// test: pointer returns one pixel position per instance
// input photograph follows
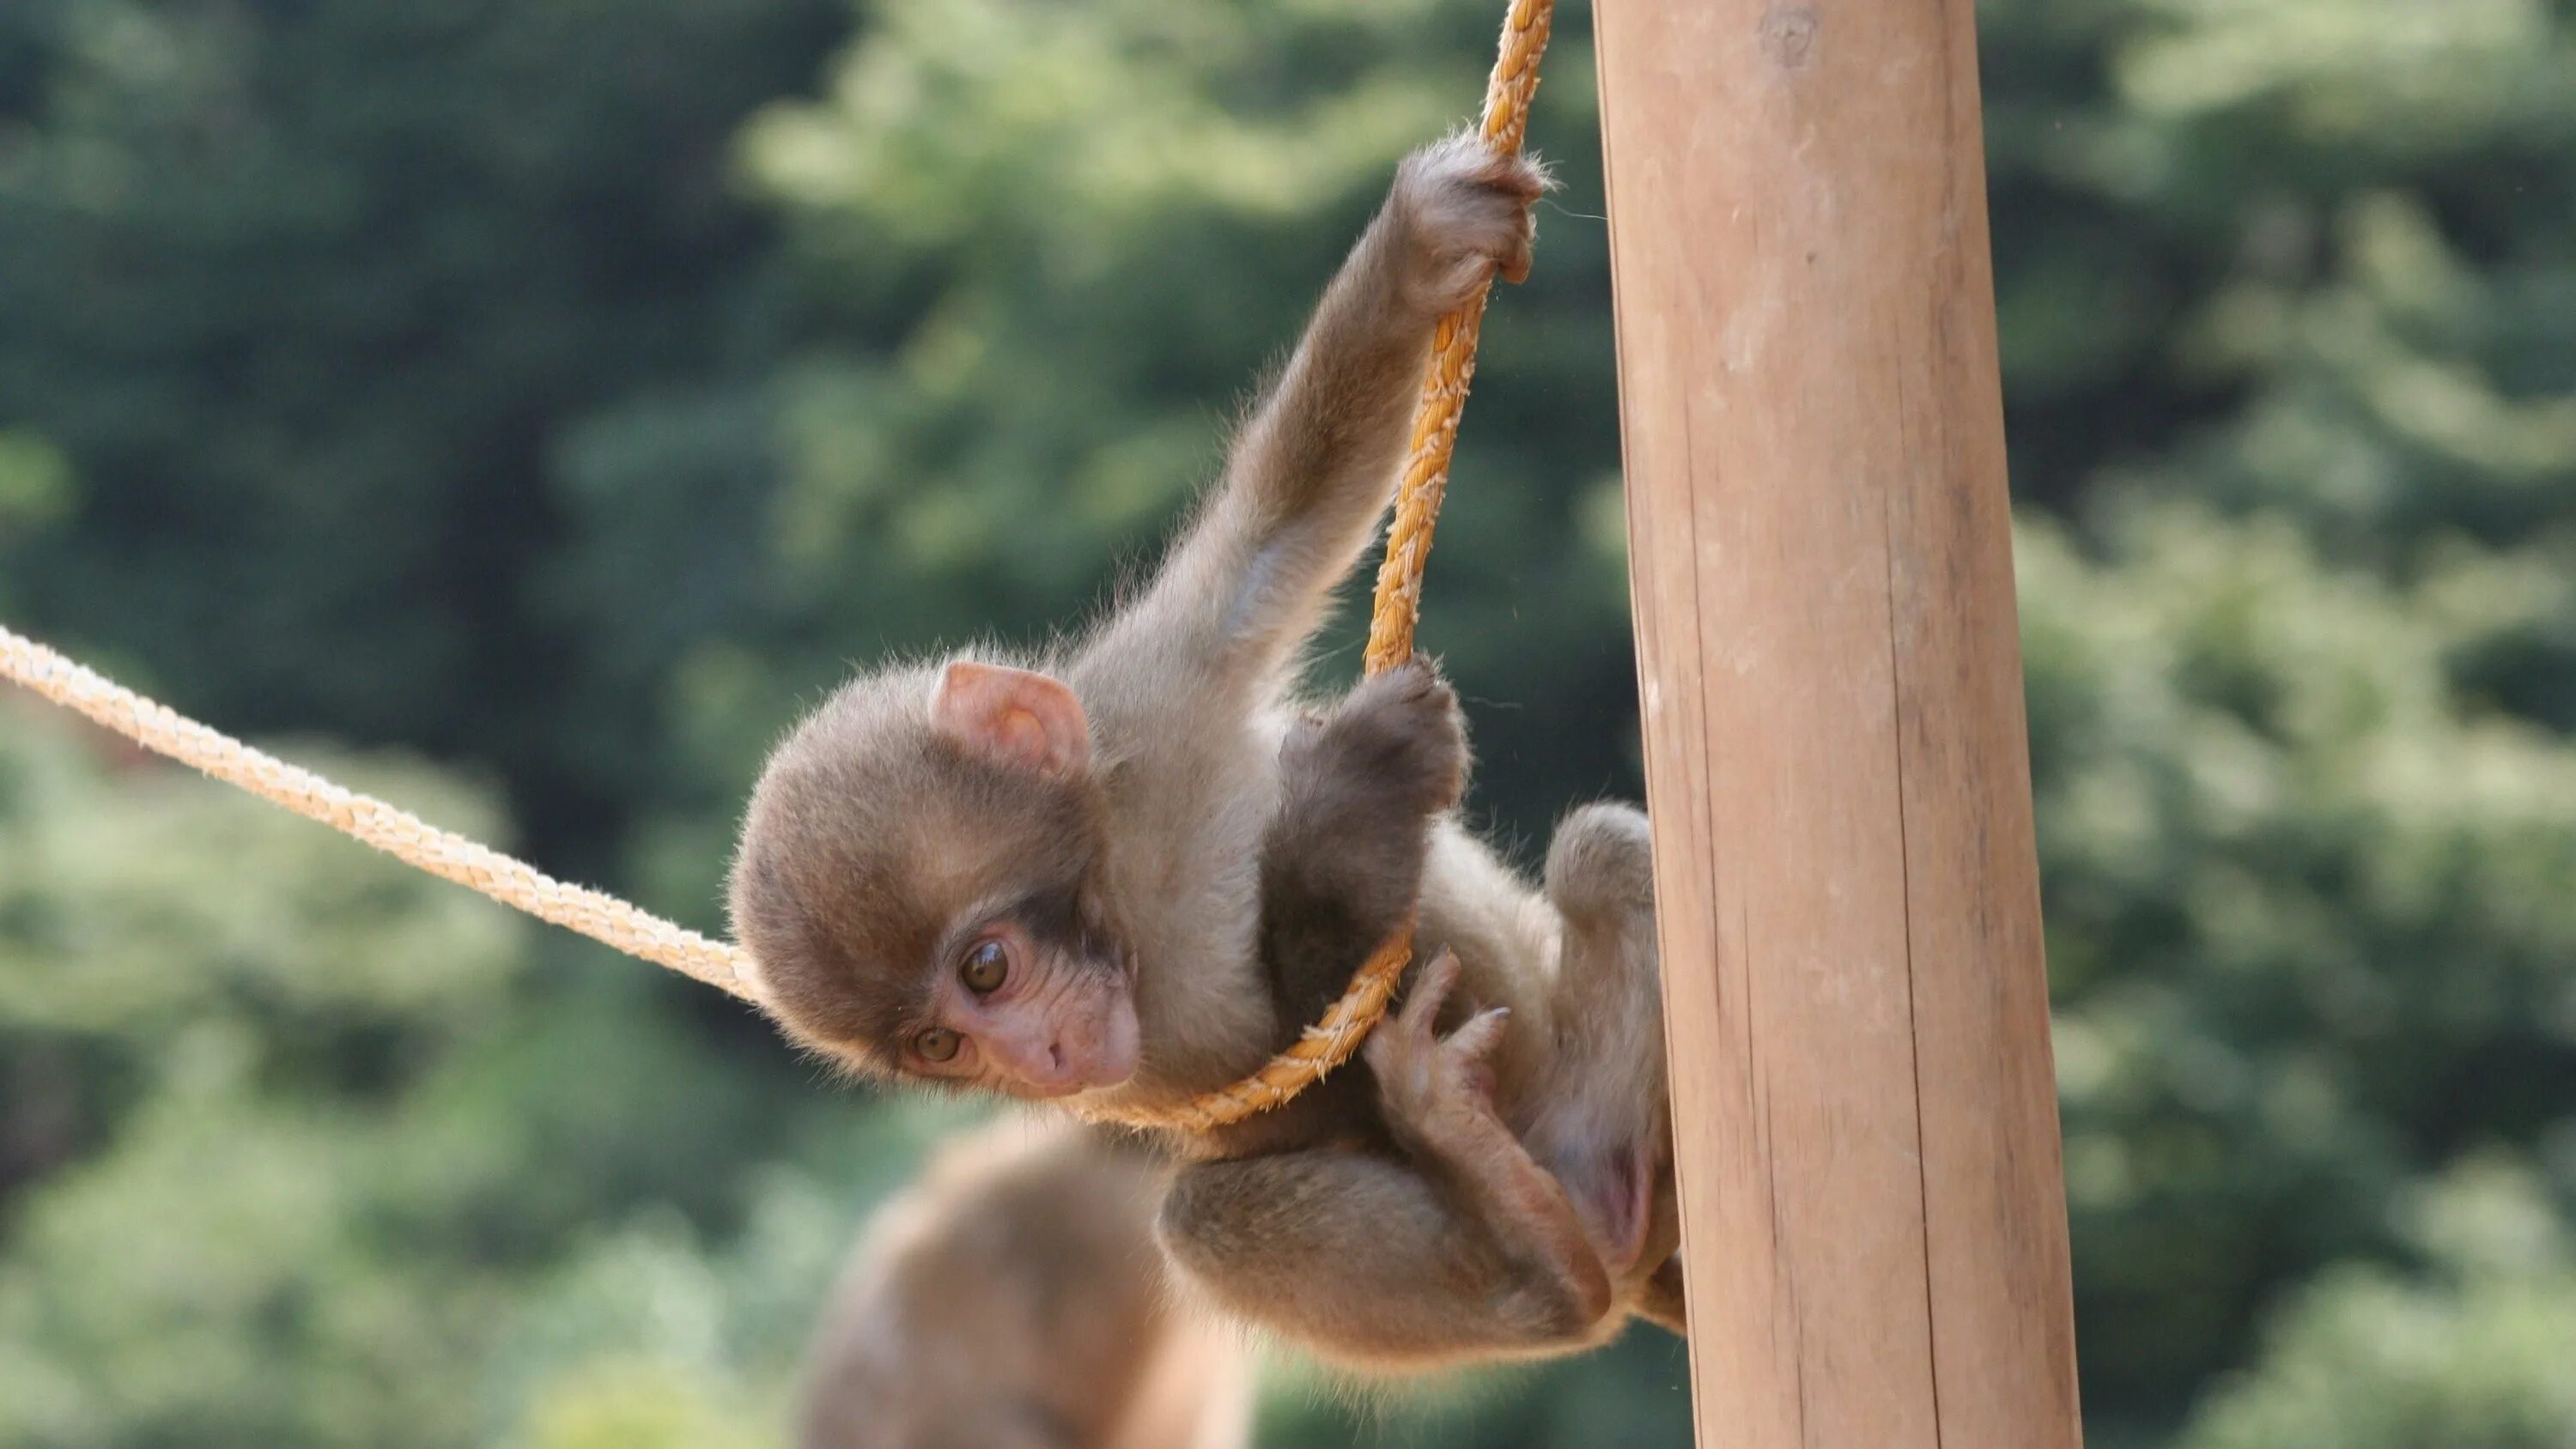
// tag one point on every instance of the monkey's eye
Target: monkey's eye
(936, 1044)
(985, 968)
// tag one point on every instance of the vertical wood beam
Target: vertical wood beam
(1857, 1011)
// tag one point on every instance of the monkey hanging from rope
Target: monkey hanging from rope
(1126, 870)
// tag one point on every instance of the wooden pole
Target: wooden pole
(1873, 1216)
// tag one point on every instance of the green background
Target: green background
(524, 407)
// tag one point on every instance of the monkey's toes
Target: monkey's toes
(1430, 992)
(1476, 1038)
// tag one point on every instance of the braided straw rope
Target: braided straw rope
(606, 919)
(398, 833)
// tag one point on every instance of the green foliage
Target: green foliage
(2299, 661)
(203, 1013)
(309, 295)
(987, 203)
(2474, 1356)
(570, 391)
(2307, 918)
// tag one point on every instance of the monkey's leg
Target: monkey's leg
(1468, 1249)
(1605, 1126)
(1369, 1260)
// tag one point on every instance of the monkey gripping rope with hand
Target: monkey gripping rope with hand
(604, 918)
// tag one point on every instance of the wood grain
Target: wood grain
(1837, 766)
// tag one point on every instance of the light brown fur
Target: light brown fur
(1013, 1298)
(1483, 1185)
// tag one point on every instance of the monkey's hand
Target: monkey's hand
(1400, 736)
(1312, 470)
(1464, 215)
(1342, 860)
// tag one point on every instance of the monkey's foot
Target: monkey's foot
(1438, 1096)
(1437, 1087)
(1661, 1303)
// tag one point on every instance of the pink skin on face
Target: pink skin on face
(1049, 1030)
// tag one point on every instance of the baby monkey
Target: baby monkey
(1128, 869)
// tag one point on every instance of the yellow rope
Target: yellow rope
(398, 833)
(613, 922)
(1397, 607)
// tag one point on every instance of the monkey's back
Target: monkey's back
(1014, 1298)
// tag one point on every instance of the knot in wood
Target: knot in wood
(1789, 35)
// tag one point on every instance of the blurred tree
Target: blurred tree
(310, 295)
(204, 1012)
(286, 1125)
(2302, 747)
(1038, 253)
(2471, 1356)
(2307, 918)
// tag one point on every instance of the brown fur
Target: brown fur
(1014, 1299)
(1502, 1189)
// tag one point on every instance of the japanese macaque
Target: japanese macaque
(1013, 1298)
(1127, 869)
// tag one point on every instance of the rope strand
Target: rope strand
(397, 832)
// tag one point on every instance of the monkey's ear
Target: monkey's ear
(1012, 717)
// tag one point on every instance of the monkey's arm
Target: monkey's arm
(1467, 1248)
(1342, 860)
(1315, 464)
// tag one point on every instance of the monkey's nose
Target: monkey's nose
(1061, 1046)
(1039, 1061)
(1061, 1067)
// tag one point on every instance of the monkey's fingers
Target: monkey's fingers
(1524, 179)
(1513, 263)
(1422, 1006)
(1468, 1046)
(1476, 1037)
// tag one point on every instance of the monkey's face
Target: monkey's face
(918, 881)
(1025, 998)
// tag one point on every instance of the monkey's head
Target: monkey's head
(919, 883)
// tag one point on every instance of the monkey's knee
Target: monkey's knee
(1232, 1229)
(1551, 1311)
(1195, 1223)
(1601, 866)
(1660, 1301)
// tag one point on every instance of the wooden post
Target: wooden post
(1873, 1216)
